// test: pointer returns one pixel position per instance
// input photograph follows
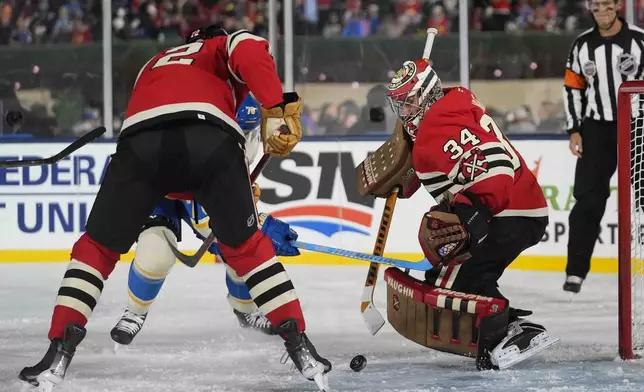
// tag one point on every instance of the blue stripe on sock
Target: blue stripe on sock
(238, 290)
(143, 288)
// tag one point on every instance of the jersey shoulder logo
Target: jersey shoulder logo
(626, 64)
(474, 165)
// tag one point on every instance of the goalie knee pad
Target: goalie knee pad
(152, 263)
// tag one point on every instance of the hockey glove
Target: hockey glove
(281, 128)
(280, 234)
(474, 215)
(257, 193)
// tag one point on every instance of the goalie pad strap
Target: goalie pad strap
(436, 317)
(389, 167)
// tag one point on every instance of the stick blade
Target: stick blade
(372, 319)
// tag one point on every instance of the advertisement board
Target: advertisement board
(43, 209)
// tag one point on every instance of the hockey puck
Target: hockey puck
(358, 363)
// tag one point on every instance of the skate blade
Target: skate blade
(28, 387)
(528, 353)
(322, 381)
(118, 347)
(47, 380)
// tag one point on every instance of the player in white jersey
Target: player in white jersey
(154, 259)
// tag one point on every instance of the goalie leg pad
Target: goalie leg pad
(439, 318)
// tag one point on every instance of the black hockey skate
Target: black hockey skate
(50, 371)
(573, 284)
(127, 327)
(304, 355)
(255, 320)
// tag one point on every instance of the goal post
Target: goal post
(630, 195)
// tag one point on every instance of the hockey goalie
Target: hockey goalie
(490, 209)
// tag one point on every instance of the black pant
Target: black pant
(507, 238)
(174, 157)
(592, 189)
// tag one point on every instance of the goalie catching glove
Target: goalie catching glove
(281, 128)
(449, 229)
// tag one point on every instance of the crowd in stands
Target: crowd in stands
(79, 21)
(31, 22)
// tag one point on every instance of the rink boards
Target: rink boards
(43, 209)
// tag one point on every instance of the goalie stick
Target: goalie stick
(421, 265)
(370, 314)
(77, 144)
(193, 260)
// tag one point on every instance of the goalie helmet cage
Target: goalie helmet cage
(630, 194)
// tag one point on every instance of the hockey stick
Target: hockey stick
(193, 260)
(421, 265)
(370, 314)
(78, 143)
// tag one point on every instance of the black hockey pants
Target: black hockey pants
(173, 157)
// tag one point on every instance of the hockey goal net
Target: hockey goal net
(630, 191)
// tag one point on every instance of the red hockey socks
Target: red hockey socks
(268, 282)
(90, 265)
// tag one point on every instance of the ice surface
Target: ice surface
(191, 340)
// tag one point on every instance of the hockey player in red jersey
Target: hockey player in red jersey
(484, 191)
(180, 135)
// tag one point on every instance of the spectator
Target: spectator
(374, 18)
(6, 11)
(439, 21)
(81, 33)
(63, 27)
(333, 28)
(21, 34)
(357, 26)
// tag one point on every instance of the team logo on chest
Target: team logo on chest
(474, 165)
(589, 68)
(626, 64)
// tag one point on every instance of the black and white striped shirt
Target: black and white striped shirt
(595, 69)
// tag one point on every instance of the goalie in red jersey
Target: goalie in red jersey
(490, 209)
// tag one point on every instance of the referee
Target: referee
(599, 61)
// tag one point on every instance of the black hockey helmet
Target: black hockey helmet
(205, 33)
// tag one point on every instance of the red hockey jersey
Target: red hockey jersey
(204, 80)
(459, 147)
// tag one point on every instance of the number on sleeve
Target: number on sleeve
(176, 55)
(488, 123)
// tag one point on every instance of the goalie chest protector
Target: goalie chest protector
(435, 317)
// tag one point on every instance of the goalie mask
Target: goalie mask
(413, 89)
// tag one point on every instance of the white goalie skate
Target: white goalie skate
(523, 340)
